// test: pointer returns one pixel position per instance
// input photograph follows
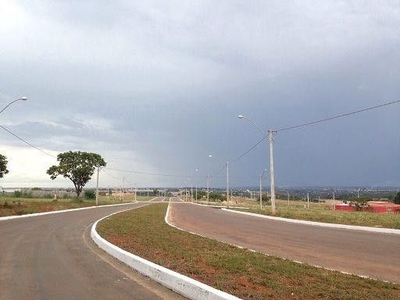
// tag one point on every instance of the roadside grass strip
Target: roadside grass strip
(322, 212)
(239, 272)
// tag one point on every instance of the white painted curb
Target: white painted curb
(179, 283)
(321, 224)
(58, 212)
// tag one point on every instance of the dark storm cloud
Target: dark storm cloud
(157, 86)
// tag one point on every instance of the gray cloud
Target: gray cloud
(157, 86)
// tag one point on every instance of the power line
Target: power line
(245, 153)
(338, 116)
(315, 122)
(232, 161)
(26, 142)
(149, 173)
(117, 178)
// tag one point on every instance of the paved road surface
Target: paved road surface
(357, 252)
(53, 257)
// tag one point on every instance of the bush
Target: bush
(22, 194)
(17, 194)
(216, 196)
(358, 203)
(90, 194)
(397, 198)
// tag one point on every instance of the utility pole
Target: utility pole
(227, 183)
(271, 160)
(208, 188)
(97, 186)
(196, 185)
(260, 192)
(208, 177)
(123, 189)
(135, 192)
(271, 169)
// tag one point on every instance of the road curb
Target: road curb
(179, 283)
(58, 211)
(321, 224)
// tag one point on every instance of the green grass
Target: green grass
(10, 205)
(323, 212)
(243, 273)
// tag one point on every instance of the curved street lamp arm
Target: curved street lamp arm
(22, 98)
(251, 121)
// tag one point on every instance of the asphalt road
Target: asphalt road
(53, 257)
(369, 254)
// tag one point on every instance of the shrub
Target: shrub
(22, 194)
(17, 194)
(397, 198)
(90, 194)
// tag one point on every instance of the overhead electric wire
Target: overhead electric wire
(245, 153)
(338, 116)
(148, 173)
(315, 122)
(26, 142)
(232, 161)
(108, 174)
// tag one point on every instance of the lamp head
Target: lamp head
(240, 116)
(24, 98)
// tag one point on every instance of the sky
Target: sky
(156, 87)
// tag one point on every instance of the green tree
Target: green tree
(3, 165)
(397, 198)
(76, 166)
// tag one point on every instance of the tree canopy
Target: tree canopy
(77, 166)
(3, 165)
(397, 198)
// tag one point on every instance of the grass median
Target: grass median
(246, 274)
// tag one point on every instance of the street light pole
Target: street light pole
(97, 186)
(97, 182)
(271, 160)
(195, 199)
(22, 98)
(208, 179)
(208, 188)
(227, 184)
(271, 169)
(135, 192)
